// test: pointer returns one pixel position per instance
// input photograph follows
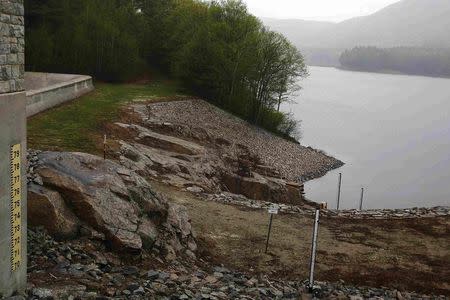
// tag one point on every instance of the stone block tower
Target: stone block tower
(13, 227)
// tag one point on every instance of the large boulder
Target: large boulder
(106, 196)
(263, 188)
(47, 208)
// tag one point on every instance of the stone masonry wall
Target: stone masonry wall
(12, 46)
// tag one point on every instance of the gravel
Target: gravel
(407, 213)
(114, 279)
(293, 161)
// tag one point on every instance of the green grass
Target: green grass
(78, 125)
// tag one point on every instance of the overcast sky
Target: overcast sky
(320, 10)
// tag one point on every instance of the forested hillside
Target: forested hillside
(216, 49)
(416, 61)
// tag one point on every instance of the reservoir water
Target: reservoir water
(392, 131)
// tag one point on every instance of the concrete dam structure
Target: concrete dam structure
(47, 90)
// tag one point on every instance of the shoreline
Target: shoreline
(321, 173)
(293, 161)
(386, 71)
(355, 247)
(355, 250)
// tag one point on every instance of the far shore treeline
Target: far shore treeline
(407, 60)
(216, 49)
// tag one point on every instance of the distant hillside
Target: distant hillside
(408, 23)
(406, 60)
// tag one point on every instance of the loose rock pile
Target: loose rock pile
(240, 200)
(229, 198)
(407, 213)
(33, 162)
(291, 160)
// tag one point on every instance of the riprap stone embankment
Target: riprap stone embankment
(293, 161)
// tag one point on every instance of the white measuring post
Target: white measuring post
(312, 264)
(273, 210)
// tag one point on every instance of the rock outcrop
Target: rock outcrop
(192, 158)
(47, 208)
(198, 120)
(82, 192)
(259, 187)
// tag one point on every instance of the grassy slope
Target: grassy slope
(78, 125)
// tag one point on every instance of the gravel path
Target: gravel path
(293, 161)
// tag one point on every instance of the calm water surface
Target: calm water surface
(392, 131)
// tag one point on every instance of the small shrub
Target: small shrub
(290, 127)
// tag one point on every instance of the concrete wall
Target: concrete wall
(12, 132)
(46, 90)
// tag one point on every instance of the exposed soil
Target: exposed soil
(401, 254)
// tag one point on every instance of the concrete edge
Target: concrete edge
(43, 99)
(79, 79)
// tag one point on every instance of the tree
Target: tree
(217, 49)
(279, 65)
(85, 36)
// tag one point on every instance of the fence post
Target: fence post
(314, 250)
(273, 210)
(361, 200)
(268, 233)
(339, 191)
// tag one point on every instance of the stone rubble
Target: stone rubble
(84, 270)
(293, 161)
(407, 213)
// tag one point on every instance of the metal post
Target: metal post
(268, 234)
(314, 250)
(362, 198)
(339, 191)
